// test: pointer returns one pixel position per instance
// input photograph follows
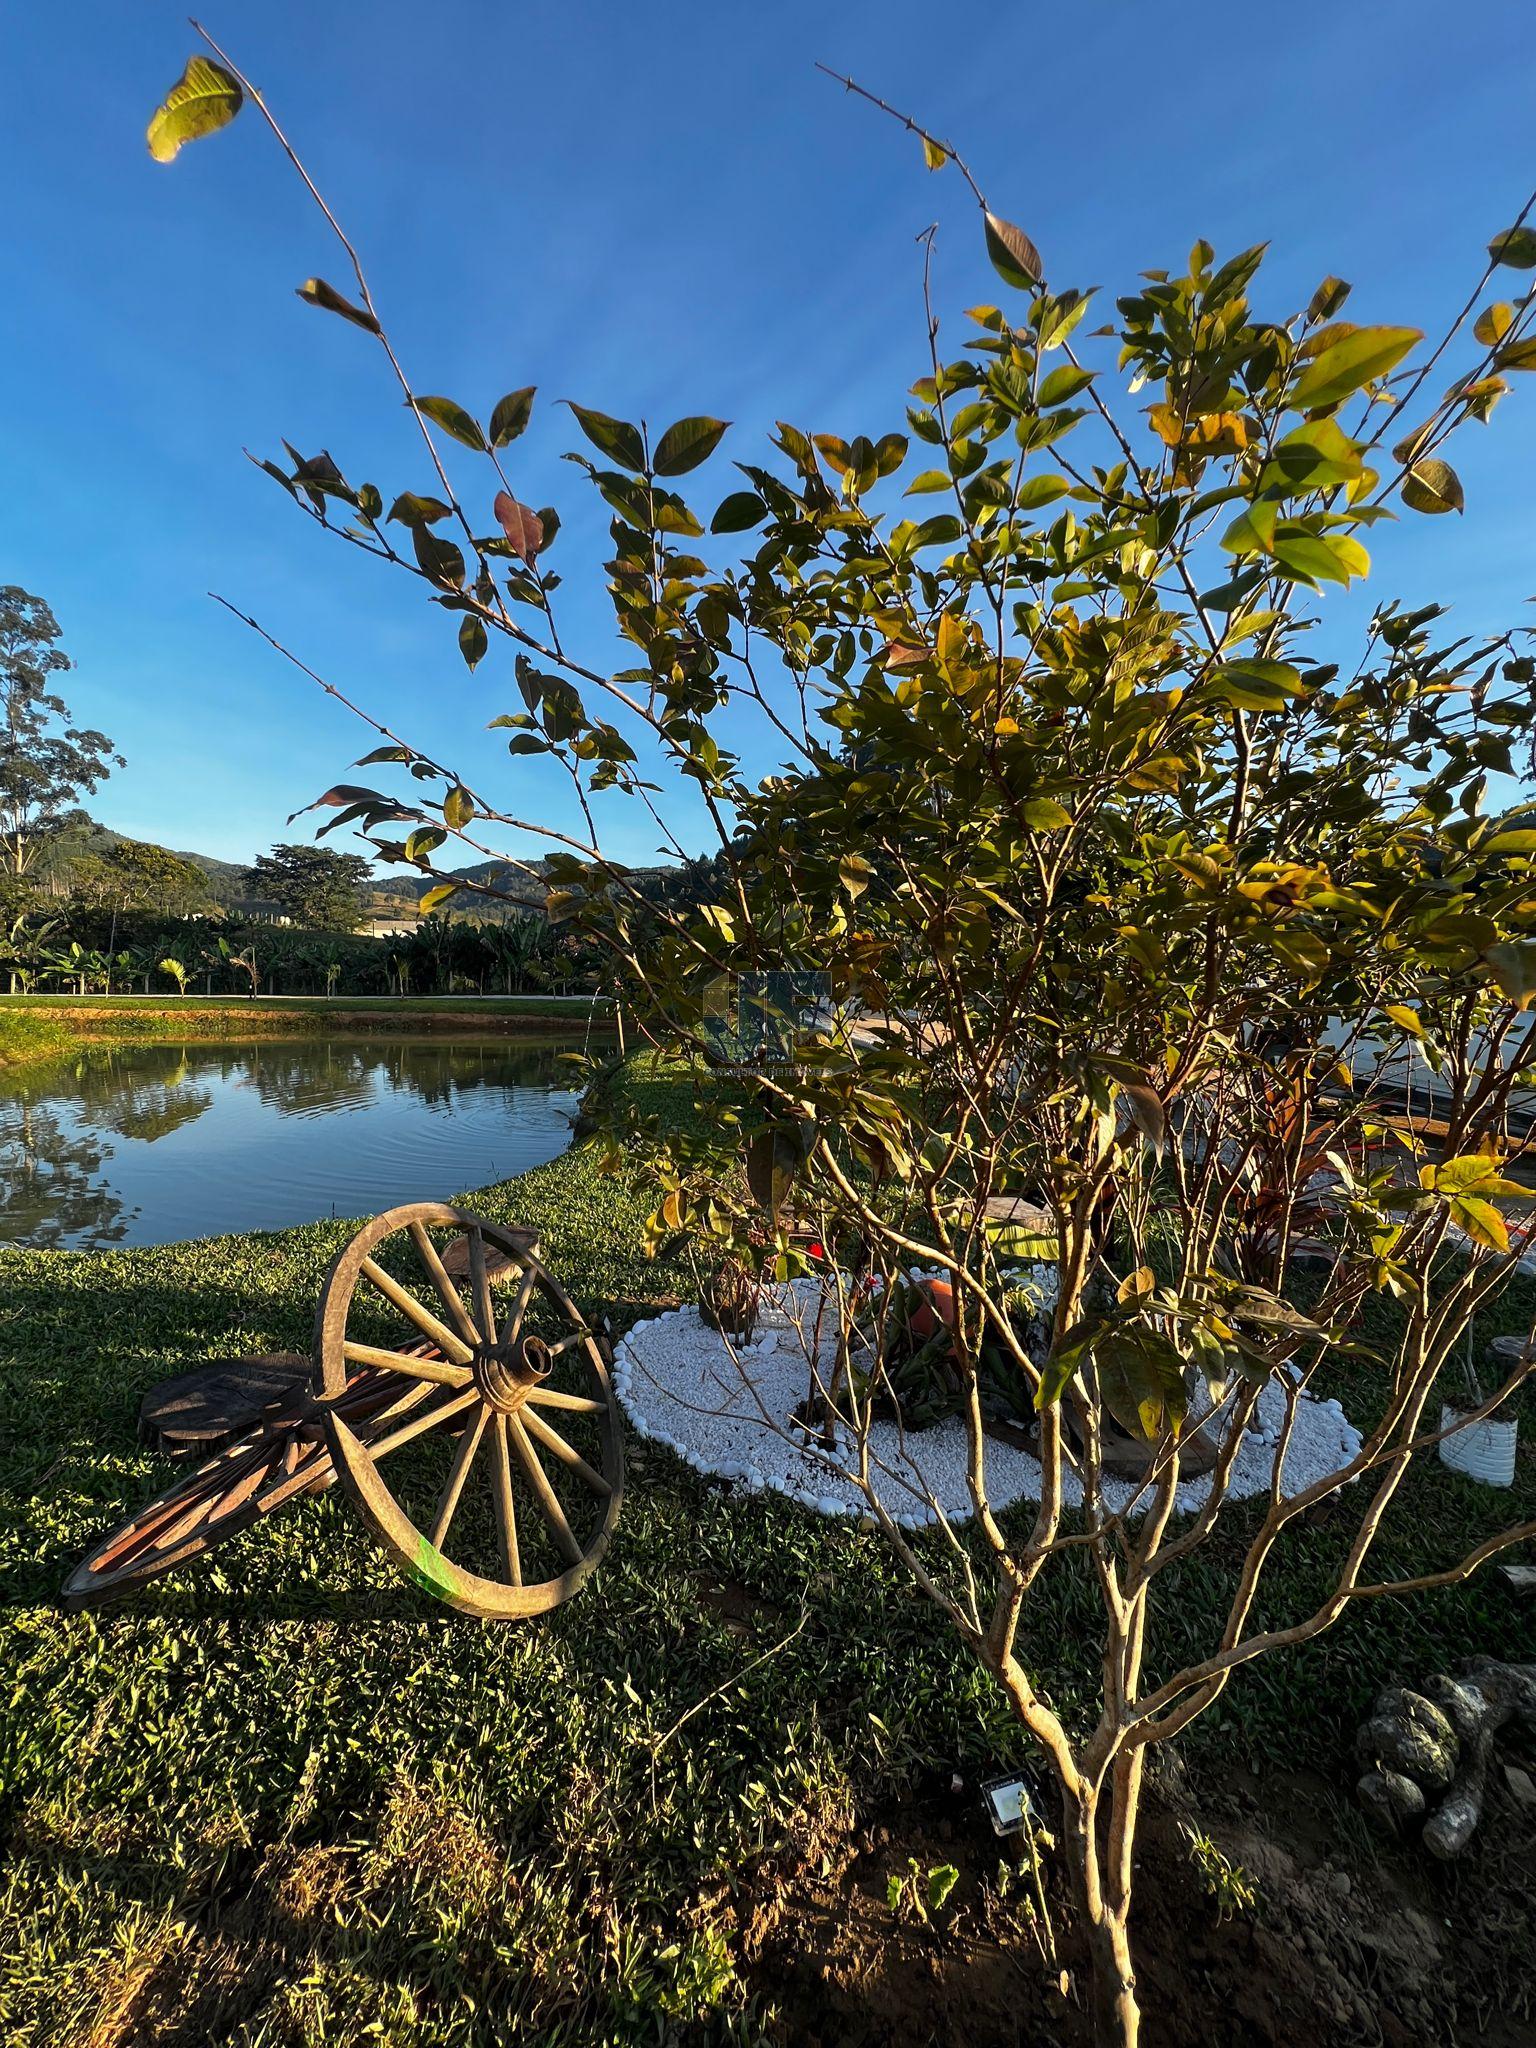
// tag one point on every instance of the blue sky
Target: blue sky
(654, 211)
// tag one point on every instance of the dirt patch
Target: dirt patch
(1345, 1941)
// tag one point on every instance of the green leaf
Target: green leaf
(738, 512)
(1327, 299)
(774, 1158)
(942, 1880)
(458, 807)
(941, 531)
(453, 419)
(1516, 247)
(1520, 355)
(929, 480)
(1513, 968)
(1036, 491)
(316, 292)
(439, 559)
(1522, 840)
(686, 444)
(1308, 557)
(433, 897)
(472, 640)
(1062, 383)
(1314, 455)
(1433, 486)
(1253, 531)
(1256, 685)
(1044, 814)
(1357, 358)
(1014, 256)
(1141, 1378)
(616, 439)
(1056, 1374)
(205, 98)
(409, 510)
(512, 414)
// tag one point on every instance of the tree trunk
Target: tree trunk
(1112, 1976)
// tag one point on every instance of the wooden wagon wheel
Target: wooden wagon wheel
(278, 1462)
(516, 1456)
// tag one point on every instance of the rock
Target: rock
(1509, 1352)
(1462, 1707)
(1521, 1783)
(1409, 1734)
(1392, 1801)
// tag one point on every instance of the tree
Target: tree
(135, 874)
(150, 877)
(1152, 909)
(316, 887)
(45, 762)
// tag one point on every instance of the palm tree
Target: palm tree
(172, 966)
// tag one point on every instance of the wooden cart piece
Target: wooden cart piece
(456, 1392)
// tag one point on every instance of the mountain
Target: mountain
(516, 886)
(83, 835)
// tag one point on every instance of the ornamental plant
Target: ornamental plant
(1123, 878)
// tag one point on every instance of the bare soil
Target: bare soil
(1349, 1940)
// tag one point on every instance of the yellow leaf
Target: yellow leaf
(1481, 1221)
(1408, 1019)
(203, 99)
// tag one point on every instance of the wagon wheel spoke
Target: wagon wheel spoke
(403, 1361)
(543, 1492)
(458, 1472)
(573, 1404)
(438, 1274)
(356, 1406)
(506, 1512)
(420, 1424)
(520, 1304)
(447, 1341)
(552, 1441)
(480, 1280)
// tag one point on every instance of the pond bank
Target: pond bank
(35, 1027)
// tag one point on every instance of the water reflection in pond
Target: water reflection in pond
(144, 1144)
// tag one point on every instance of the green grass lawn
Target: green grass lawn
(284, 1797)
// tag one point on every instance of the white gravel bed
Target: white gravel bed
(729, 1416)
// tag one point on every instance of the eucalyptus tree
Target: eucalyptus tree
(46, 762)
(1021, 725)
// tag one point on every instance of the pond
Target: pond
(142, 1144)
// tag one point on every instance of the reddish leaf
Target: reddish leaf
(524, 529)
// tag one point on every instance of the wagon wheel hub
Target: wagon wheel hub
(505, 1373)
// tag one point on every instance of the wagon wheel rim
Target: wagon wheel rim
(516, 1405)
(255, 1476)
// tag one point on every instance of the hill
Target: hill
(86, 835)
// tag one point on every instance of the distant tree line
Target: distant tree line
(89, 949)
